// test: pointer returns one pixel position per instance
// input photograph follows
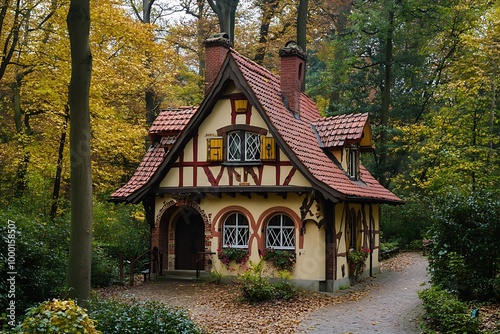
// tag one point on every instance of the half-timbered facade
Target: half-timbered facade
(255, 166)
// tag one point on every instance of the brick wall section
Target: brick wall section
(291, 80)
(216, 49)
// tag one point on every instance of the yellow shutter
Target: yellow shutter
(214, 149)
(267, 148)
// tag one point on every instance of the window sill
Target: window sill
(242, 163)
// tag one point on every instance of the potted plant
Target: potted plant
(357, 262)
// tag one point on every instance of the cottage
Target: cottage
(256, 167)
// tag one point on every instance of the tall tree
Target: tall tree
(226, 12)
(80, 252)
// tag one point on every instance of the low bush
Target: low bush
(446, 314)
(104, 268)
(57, 316)
(257, 288)
(148, 317)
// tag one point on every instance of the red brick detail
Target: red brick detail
(214, 57)
(291, 78)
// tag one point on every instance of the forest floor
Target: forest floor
(219, 308)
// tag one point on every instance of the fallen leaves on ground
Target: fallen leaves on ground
(219, 308)
(398, 262)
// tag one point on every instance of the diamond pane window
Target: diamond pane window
(236, 231)
(234, 146)
(280, 233)
(252, 146)
(243, 146)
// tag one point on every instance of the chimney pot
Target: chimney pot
(216, 49)
(292, 74)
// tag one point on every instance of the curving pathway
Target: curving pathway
(391, 307)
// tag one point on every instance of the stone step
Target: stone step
(182, 275)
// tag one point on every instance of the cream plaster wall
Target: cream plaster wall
(311, 259)
(208, 129)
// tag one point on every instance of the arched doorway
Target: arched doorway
(189, 239)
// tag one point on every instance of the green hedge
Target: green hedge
(119, 317)
(446, 314)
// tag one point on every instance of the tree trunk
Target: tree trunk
(226, 13)
(80, 248)
(268, 9)
(57, 180)
(302, 29)
(152, 104)
(386, 102)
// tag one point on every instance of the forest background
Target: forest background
(426, 71)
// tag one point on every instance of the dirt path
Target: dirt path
(391, 307)
(385, 304)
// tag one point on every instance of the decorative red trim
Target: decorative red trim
(181, 169)
(195, 160)
(219, 218)
(230, 171)
(210, 176)
(249, 113)
(256, 179)
(266, 215)
(289, 176)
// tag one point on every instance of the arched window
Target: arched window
(280, 233)
(236, 231)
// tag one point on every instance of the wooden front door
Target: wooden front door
(189, 239)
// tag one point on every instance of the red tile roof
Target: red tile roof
(169, 122)
(148, 166)
(298, 134)
(337, 131)
(172, 120)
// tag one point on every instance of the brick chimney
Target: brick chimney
(216, 49)
(292, 74)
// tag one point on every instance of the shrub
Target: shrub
(57, 316)
(257, 288)
(40, 257)
(280, 259)
(464, 253)
(104, 268)
(406, 224)
(446, 314)
(140, 317)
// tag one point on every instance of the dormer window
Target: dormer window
(243, 146)
(353, 162)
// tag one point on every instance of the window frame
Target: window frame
(353, 162)
(237, 227)
(281, 234)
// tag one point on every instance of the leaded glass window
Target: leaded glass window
(252, 146)
(243, 146)
(234, 146)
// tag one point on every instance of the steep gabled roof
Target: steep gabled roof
(339, 131)
(295, 134)
(170, 122)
